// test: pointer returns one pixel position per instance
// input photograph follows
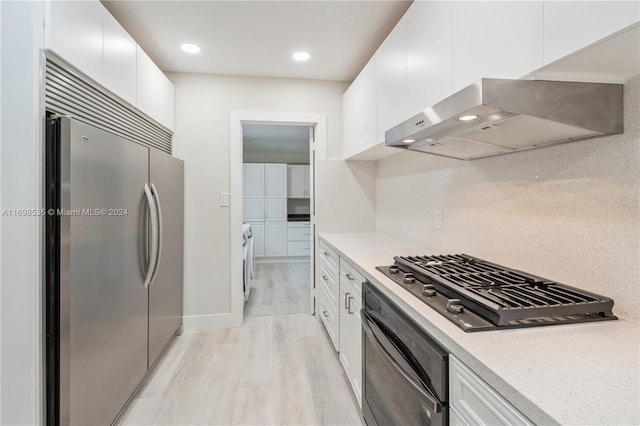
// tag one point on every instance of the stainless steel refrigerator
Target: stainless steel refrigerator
(114, 244)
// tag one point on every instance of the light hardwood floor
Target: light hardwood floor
(274, 370)
(279, 288)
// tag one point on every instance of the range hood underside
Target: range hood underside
(512, 134)
(511, 116)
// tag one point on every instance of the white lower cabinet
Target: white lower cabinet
(351, 326)
(339, 300)
(328, 292)
(473, 402)
(275, 238)
(298, 238)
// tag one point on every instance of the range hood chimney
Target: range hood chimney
(494, 116)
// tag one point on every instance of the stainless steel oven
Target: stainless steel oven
(405, 372)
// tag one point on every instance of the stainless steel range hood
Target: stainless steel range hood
(493, 117)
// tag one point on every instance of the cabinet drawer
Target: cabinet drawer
(299, 224)
(351, 278)
(329, 318)
(329, 281)
(298, 248)
(328, 255)
(299, 234)
(476, 403)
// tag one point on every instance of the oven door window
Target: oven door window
(392, 390)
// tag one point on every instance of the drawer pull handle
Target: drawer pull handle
(325, 314)
(326, 253)
(350, 277)
(346, 300)
(324, 277)
(349, 307)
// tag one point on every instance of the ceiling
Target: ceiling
(275, 138)
(257, 38)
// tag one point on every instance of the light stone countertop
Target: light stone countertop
(575, 374)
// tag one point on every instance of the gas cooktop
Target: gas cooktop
(478, 295)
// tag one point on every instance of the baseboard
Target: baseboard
(203, 322)
(283, 259)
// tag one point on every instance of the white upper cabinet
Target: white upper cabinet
(253, 180)
(572, 25)
(392, 92)
(275, 180)
(495, 40)
(429, 62)
(275, 209)
(148, 82)
(155, 93)
(167, 101)
(298, 181)
(74, 31)
(359, 112)
(253, 210)
(118, 59)
(87, 36)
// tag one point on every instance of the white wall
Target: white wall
(569, 213)
(345, 196)
(20, 177)
(203, 105)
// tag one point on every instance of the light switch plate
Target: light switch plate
(224, 199)
(437, 219)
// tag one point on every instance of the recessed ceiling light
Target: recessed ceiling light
(467, 117)
(190, 48)
(408, 140)
(301, 56)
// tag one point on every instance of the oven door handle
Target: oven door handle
(435, 405)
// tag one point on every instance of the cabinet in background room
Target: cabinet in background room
(265, 206)
(275, 241)
(275, 180)
(298, 238)
(298, 181)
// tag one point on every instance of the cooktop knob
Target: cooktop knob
(394, 269)
(428, 290)
(454, 306)
(409, 279)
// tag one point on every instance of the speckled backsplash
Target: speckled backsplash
(569, 212)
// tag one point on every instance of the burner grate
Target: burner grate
(501, 294)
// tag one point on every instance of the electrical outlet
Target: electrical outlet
(437, 218)
(224, 199)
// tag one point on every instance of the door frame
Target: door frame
(237, 119)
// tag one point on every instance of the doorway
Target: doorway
(241, 123)
(276, 218)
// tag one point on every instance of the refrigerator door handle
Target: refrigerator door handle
(153, 253)
(156, 196)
